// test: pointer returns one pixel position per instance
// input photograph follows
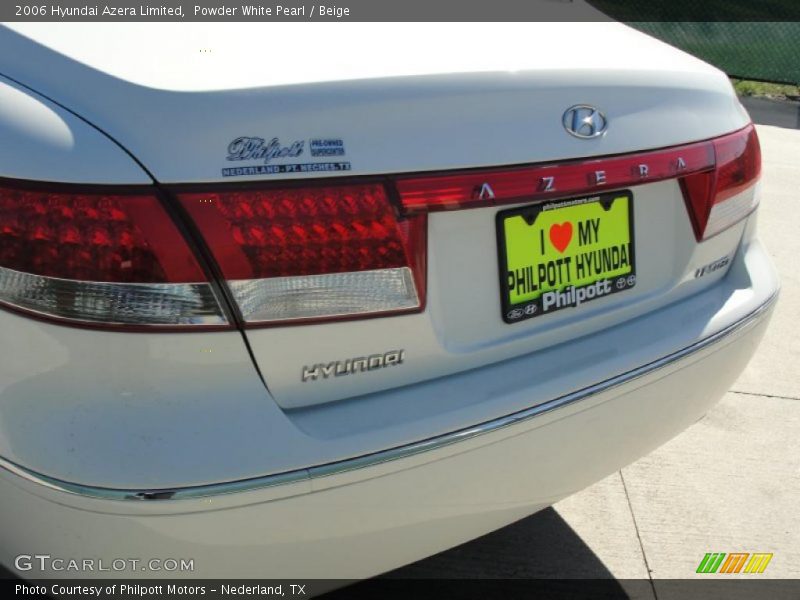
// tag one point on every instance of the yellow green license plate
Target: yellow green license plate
(564, 254)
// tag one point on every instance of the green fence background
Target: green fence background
(746, 50)
(758, 39)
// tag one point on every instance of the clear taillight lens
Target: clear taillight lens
(314, 252)
(91, 257)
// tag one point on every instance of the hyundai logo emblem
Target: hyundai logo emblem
(584, 121)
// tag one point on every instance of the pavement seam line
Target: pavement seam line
(638, 535)
(776, 396)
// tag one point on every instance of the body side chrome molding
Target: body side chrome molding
(310, 473)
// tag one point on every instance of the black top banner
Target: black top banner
(400, 10)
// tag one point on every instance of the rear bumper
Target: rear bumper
(361, 516)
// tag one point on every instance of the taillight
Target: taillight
(485, 187)
(91, 257)
(304, 251)
(724, 196)
(716, 176)
(313, 252)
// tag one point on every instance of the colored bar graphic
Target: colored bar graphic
(758, 562)
(734, 562)
(712, 562)
(701, 568)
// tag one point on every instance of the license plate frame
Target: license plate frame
(619, 280)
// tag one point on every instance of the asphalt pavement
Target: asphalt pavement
(771, 111)
(730, 483)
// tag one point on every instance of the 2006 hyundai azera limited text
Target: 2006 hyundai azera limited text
(316, 303)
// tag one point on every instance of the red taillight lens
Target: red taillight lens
(523, 184)
(297, 253)
(93, 257)
(93, 237)
(738, 159)
(720, 198)
(716, 177)
(313, 252)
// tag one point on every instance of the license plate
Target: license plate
(565, 253)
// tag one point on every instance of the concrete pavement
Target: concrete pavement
(730, 483)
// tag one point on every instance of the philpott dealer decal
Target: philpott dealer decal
(276, 157)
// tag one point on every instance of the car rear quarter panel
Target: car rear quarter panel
(42, 141)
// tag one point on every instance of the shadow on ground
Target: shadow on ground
(540, 546)
(530, 558)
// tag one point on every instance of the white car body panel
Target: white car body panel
(42, 141)
(348, 477)
(153, 432)
(361, 523)
(205, 57)
(652, 95)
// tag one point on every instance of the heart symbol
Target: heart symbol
(561, 235)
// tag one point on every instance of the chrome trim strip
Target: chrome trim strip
(301, 475)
